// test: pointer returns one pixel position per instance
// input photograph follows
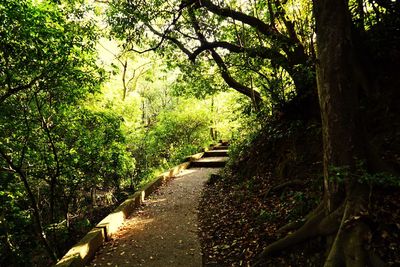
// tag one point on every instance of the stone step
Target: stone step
(216, 153)
(210, 162)
(221, 148)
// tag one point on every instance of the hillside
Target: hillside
(276, 178)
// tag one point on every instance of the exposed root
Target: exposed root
(348, 246)
(345, 224)
(291, 226)
(330, 224)
(299, 223)
(308, 230)
(283, 185)
(318, 224)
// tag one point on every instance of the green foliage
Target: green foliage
(255, 125)
(15, 225)
(198, 80)
(339, 174)
(177, 133)
(41, 47)
(243, 139)
(94, 148)
(380, 179)
(302, 204)
(276, 63)
(383, 179)
(52, 150)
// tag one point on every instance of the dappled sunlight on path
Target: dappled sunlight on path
(164, 231)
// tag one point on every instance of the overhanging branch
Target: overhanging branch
(252, 94)
(23, 87)
(233, 83)
(254, 52)
(226, 12)
(171, 39)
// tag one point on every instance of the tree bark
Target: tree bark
(343, 136)
(337, 90)
(345, 202)
(124, 85)
(247, 91)
(34, 206)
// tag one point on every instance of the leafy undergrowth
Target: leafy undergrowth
(239, 213)
(84, 220)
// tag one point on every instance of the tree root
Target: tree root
(345, 224)
(347, 249)
(308, 230)
(283, 185)
(299, 223)
(348, 246)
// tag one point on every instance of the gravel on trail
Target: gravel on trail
(163, 232)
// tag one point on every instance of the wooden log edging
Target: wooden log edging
(80, 254)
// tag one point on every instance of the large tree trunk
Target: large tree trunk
(340, 215)
(343, 137)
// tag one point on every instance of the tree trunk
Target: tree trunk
(343, 137)
(35, 209)
(340, 215)
(337, 92)
(124, 85)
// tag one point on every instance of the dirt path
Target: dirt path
(164, 231)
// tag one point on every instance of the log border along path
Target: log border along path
(163, 232)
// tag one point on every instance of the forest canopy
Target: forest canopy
(82, 123)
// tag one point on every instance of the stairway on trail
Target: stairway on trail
(215, 158)
(163, 232)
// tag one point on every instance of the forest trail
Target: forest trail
(163, 232)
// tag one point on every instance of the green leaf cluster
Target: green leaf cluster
(53, 150)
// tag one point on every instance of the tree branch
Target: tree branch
(260, 25)
(171, 39)
(36, 211)
(254, 95)
(17, 89)
(254, 52)
(164, 36)
(286, 43)
(233, 83)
